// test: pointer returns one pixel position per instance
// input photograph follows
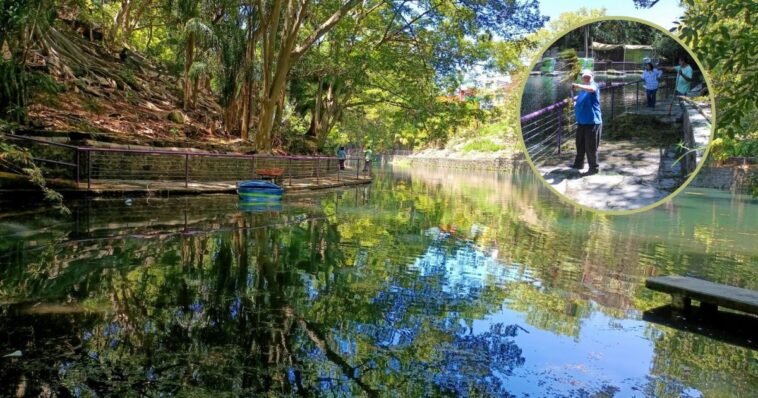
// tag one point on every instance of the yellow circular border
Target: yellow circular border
(670, 196)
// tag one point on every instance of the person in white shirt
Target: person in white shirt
(650, 76)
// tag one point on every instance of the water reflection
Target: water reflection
(424, 284)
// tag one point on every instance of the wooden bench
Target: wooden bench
(711, 295)
(274, 174)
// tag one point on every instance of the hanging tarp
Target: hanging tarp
(622, 52)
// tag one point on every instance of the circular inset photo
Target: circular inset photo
(616, 115)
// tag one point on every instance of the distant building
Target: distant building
(487, 89)
(464, 93)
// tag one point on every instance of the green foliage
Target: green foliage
(722, 34)
(573, 67)
(645, 128)
(19, 18)
(723, 148)
(92, 104)
(668, 48)
(19, 161)
(13, 92)
(483, 144)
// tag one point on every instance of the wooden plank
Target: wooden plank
(684, 287)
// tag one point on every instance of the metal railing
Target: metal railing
(93, 164)
(547, 129)
(621, 66)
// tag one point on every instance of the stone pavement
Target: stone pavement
(630, 177)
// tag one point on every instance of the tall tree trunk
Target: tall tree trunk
(118, 22)
(249, 87)
(195, 89)
(188, 60)
(279, 111)
(277, 68)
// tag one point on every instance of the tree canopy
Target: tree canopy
(723, 35)
(287, 70)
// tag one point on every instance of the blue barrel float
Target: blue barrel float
(260, 207)
(259, 191)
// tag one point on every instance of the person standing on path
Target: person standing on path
(589, 121)
(367, 158)
(650, 76)
(341, 156)
(683, 79)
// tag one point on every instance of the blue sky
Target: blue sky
(664, 13)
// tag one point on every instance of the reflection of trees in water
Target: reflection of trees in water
(686, 360)
(336, 306)
(257, 311)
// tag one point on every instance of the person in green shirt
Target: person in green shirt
(367, 158)
(683, 76)
(683, 79)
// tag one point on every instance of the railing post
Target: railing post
(289, 170)
(637, 101)
(77, 167)
(318, 164)
(558, 113)
(357, 168)
(89, 170)
(338, 171)
(186, 170)
(252, 161)
(613, 97)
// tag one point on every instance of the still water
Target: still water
(426, 283)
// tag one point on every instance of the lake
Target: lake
(425, 283)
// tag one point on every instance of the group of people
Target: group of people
(589, 118)
(367, 155)
(651, 75)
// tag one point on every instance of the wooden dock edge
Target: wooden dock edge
(684, 289)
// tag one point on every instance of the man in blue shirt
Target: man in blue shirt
(589, 121)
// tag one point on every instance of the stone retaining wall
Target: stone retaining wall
(697, 134)
(467, 164)
(734, 178)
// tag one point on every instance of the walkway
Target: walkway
(629, 177)
(168, 188)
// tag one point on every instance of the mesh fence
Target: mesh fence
(99, 164)
(546, 130)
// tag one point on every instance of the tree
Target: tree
(22, 24)
(723, 35)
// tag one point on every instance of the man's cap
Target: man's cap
(586, 72)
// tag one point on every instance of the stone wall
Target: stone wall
(734, 178)
(504, 163)
(697, 134)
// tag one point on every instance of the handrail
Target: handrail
(564, 102)
(20, 137)
(84, 162)
(545, 129)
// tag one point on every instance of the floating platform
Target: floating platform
(711, 295)
(259, 191)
